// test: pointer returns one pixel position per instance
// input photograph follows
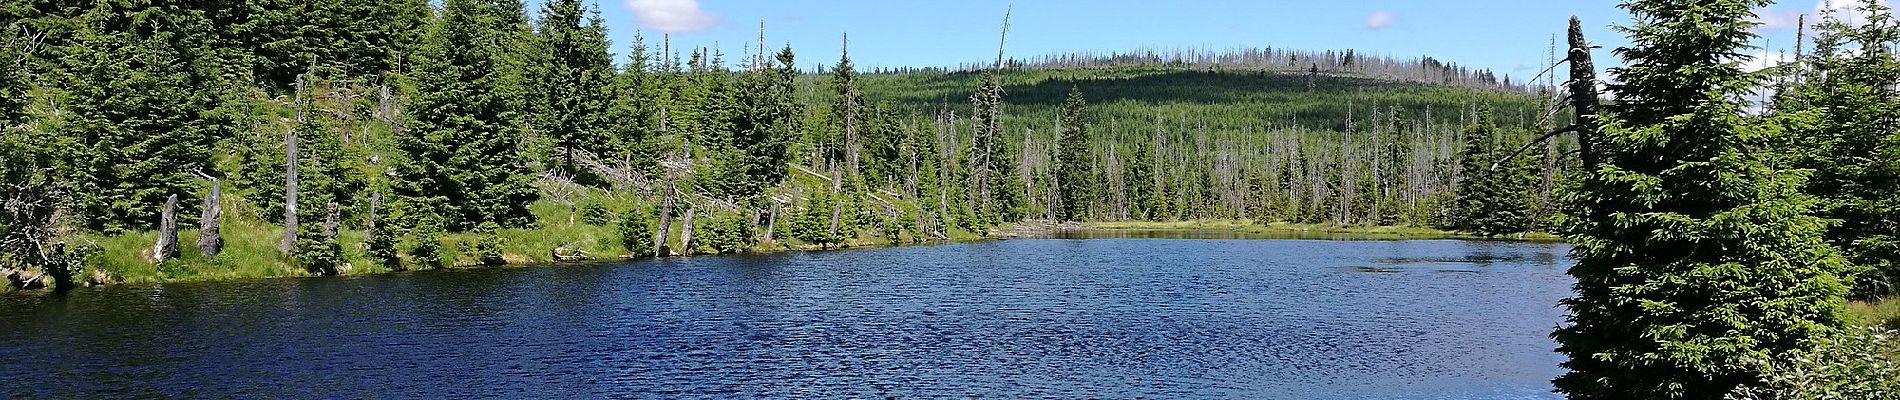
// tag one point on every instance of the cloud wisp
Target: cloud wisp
(672, 15)
(1379, 20)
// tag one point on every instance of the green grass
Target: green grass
(251, 252)
(1250, 226)
(1882, 313)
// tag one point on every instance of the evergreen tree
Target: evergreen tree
(140, 92)
(1140, 181)
(1495, 196)
(353, 38)
(759, 125)
(1073, 178)
(462, 159)
(989, 167)
(574, 80)
(1698, 263)
(638, 93)
(1846, 124)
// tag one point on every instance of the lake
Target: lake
(1037, 318)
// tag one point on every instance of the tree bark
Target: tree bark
(330, 222)
(666, 220)
(369, 228)
(686, 231)
(210, 237)
(290, 174)
(167, 247)
(1583, 95)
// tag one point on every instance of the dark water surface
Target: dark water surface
(1102, 318)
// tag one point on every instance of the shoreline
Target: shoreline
(251, 255)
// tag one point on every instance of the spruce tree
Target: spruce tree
(638, 92)
(573, 80)
(1074, 181)
(1846, 125)
(1495, 196)
(751, 147)
(989, 167)
(1140, 181)
(462, 159)
(140, 89)
(1697, 262)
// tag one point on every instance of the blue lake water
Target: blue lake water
(1042, 318)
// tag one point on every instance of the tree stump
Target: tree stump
(210, 239)
(167, 247)
(686, 232)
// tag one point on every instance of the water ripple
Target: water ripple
(1104, 318)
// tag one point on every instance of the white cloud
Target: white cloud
(1764, 59)
(672, 15)
(1847, 11)
(1379, 20)
(1771, 18)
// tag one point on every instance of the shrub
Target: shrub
(636, 232)
(488, 244)
(727, 233)
(425, 243)
(596, 214)
(1858, 364)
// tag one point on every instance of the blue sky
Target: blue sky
(1507, 36)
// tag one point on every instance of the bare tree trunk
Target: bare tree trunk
(290, 173)
(330, 222)
(210, 239)
(837, 202)
(686, 231)
(666, 220)
(771, 222)
(370, 228)
(167, 247)
(1583, 95)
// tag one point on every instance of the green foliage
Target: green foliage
(488, 244)
(463, 155)
(596, 214)
(330, 167)
(1074, 179)
(1859, 364)
(725, 233)
(139, 90)
(812, 222)
(574, 78)
(316, 253)
(383, 246)
(750, 155)
(1495, 196)
(425, 242)
(1844, 123)
(353, 38)
(1698, 263)
(636, 232)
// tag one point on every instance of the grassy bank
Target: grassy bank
(1249, 226)
(251, 246)
(1883, 313)
(251, 249)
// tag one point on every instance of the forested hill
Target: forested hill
(518, 134)
(1235, 140)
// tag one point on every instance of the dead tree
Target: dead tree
(370, 228)
(210, 239)
(167, 247)
(686, 231)
(666, 219)
(1583, 100)
(290, 170)
(330, 222)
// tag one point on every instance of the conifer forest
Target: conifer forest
(1733, 230)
